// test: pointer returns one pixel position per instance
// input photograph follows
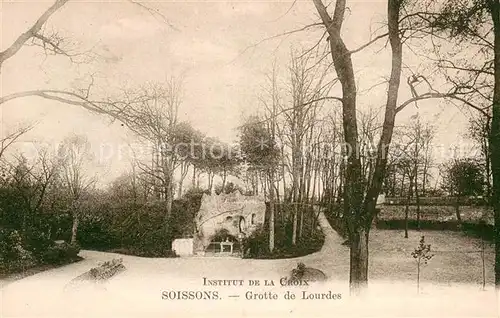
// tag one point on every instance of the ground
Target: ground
(451, 283)
(457, 257)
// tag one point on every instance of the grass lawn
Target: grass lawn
(457, 257)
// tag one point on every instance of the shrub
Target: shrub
(230, 187)
(152, 244)
(37, 241)
(337, 223)
(61, 253)
(257, 244)
(97, 234)
(193, 197)
(139, 228)
(486, 232)
(13, 255)
(8, 242)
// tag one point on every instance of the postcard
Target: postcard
(298, 158)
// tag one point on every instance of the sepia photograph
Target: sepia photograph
(271, 158)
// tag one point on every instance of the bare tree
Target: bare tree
(359, 205)
(74, 154)
(153, 117)
(308, 84)
(31, 179)
(261, 154)
(413, 159)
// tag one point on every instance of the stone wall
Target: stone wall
(236, 213)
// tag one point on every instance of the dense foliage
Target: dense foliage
(36, 212)
(463, 177)
(311, 239)
(30, 222)
(139, 228)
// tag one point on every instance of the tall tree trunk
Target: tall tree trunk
(271, 211)
(353, 194)
(488, 174)
(210, 181)
(358, 212)
(193, 180)
(313, 201)
(340, 190)
(198, 174)
(358, 275)
(424, 176)
(74, 228)
(294, 225)
(417, 199)
(457, 209)
(393, 191)
(257, 185)
(179, 189)
(184, 172)
(302, 200)
(407, 206)
(495, 136)
(303, 206)
(295, 204)
(169, 199)
(402, 187)
(224, 177)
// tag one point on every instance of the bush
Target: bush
(337, 223)
(139, 228)
(37, 242)
(257, 244)
(438, 201)
(484, 231)
(61, 254)
(311, 240)
(230, 187)
(193, 197)
(10, 241)
(152, 244)
(13, 256)
(96, 234)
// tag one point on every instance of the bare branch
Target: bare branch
(375, 39)
(155, 14)
(8, 140)
(60, 96)
(304, 28)
(434, 95)
(34, 30)
(287, 11)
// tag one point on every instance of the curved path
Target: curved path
(330, 259)
(137, 292)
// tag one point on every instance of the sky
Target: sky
(218, 48)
